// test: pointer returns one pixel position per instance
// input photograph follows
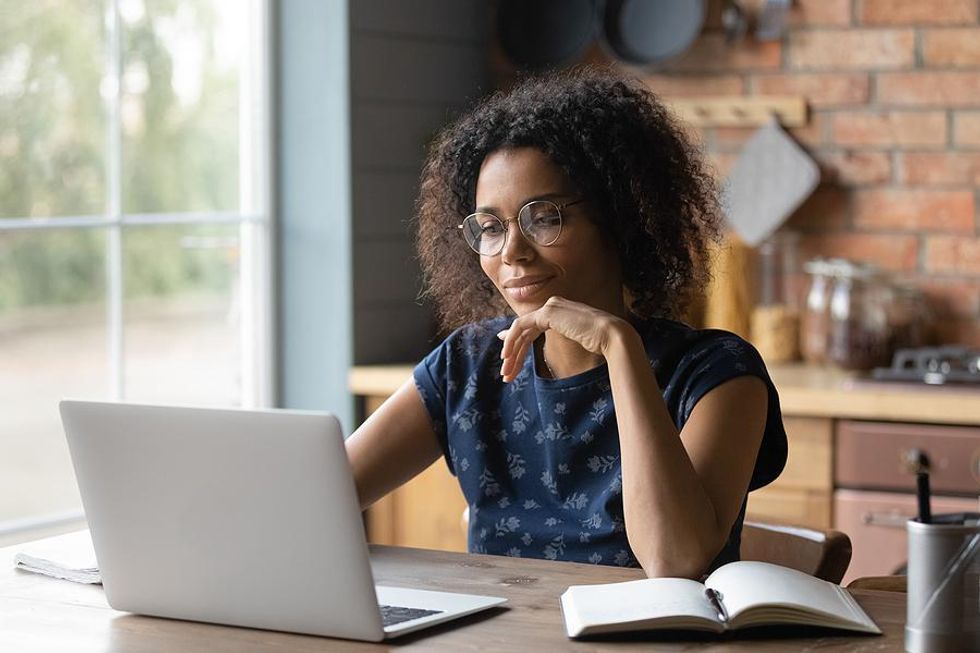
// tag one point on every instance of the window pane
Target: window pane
(181, 314)
(179, 107)
(52, 345)
(52, 117)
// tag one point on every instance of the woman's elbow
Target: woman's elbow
(689, 559)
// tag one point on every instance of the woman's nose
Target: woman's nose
(516, 245)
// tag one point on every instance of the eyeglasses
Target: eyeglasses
(540, 221)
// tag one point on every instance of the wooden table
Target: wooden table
(44, 614)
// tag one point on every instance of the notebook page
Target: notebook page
(633, 601)
(748, 583)
(70, 557)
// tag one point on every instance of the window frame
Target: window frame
(255, 216)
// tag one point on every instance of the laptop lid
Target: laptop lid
(237, 517)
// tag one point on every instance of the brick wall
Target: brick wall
(893, 88)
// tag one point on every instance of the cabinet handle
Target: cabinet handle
(887, 519)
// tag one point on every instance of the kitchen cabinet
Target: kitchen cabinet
(875, 490)
(826, 414)
(803, 493)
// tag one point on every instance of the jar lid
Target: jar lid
(841, 267)
(817, 266)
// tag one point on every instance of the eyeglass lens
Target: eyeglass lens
(539, 221)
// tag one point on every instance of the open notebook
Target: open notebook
(736, 595)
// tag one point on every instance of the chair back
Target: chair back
(824, 554)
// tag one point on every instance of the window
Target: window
(134, 221)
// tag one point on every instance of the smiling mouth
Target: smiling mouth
(528, 290)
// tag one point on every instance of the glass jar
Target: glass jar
(778, 270)
(909, 318)
(816, 311)
(775, 321)
(859, 334)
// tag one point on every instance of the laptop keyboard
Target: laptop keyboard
(396, 614)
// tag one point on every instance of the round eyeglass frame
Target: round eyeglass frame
(561, 223)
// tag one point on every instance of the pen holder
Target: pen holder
(943, 611)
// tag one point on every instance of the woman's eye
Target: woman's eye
(548, 220)
(491, 229)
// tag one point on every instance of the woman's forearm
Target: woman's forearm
(671, 523)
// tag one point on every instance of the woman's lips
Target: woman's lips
(527, 290)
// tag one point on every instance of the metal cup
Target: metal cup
(943, 611)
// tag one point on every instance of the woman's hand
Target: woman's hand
(589, 327)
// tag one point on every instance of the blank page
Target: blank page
(747, 584)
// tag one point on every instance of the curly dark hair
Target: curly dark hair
(652, 194)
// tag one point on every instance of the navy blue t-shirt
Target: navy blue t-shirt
(538, 459)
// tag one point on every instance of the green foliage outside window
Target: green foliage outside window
(179, 146)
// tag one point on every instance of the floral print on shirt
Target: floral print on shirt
(538, 460)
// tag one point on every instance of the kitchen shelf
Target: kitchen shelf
(738, 111)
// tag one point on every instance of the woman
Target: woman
(591, 427)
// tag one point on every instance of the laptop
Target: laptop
(237, 517)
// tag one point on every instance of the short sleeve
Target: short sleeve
(718, 357)
(431, 377)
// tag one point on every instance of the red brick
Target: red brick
(959, 332)
(825, 13)
(889, 128)
(890, 252)
(966, 129)
(953, 254)
(821, 90)
(958, 48)
(828, 209)
(711, 53)
(917, 12)
(951, 297)
(852, 49)
(941, 168)
(930, 89)
(915, 210)
(855, 168)
(671, 86)
(812, 133)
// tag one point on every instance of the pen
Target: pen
(922, 492)
(919, 463)
(716, 600)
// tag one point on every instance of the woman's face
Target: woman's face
(579, 266)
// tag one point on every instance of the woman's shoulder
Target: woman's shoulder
(676, 346)
(681, 334)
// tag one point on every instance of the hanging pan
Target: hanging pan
(646, 32)
(540, 34)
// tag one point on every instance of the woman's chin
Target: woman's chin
(523, 307)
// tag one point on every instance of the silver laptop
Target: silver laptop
(239, 517)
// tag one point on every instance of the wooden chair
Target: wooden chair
(824, 554)
(880, 583)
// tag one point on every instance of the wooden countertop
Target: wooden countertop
(803, 391)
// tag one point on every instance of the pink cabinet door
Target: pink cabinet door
(875, 522)
(871, 455)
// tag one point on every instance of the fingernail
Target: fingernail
(502, 334)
